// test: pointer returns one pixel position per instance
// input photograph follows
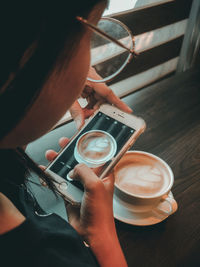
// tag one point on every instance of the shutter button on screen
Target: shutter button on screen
(63, 186)
(69, 178)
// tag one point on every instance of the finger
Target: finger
(104, 91)
(86, 91)
(93, 74)
(98, 97)
(73, 213)
(42, 182)
(109, 183)
(51, 155)
(42, 167)
(98, 104)
(77, 114)
(63, 141)
(84, 95)
(88, 112)
(86, 176)
(97, 170)
(91, 101)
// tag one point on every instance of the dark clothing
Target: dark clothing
(42, 240)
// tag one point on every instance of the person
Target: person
(45, 58)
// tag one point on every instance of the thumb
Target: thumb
(109, 183)
(73, 213)
(86, 176)
(77, 114)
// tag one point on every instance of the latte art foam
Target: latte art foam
(145, 178)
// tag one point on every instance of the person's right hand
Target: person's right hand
(95, 214)
(94, 220)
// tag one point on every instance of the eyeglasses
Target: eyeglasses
(112, 47)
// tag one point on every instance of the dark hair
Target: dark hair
(35, 36)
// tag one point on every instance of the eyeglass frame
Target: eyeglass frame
(110, 38)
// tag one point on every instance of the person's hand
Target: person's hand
(97, 200)
(95, 94)
(94, 220)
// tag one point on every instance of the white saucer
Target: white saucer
(124, 213)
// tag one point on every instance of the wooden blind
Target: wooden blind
(159, 27)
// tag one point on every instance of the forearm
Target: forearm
(108, 251)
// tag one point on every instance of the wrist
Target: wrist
(107, 249)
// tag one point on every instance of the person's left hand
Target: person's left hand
(95, 94)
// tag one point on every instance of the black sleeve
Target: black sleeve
(47, 243)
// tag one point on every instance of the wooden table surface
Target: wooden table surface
(171, 110)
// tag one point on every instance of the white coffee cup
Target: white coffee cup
(143, 181)
(94, 148)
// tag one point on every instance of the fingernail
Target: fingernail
(129, 109)
(70, 175)
(43, 168)
(42, 182)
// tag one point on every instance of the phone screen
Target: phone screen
(66, 161)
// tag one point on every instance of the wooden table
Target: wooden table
(171, 110)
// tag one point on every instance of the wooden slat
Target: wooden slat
(143, 42)
(133, 83)
(160, 36)
(148, 19)
(150, 59)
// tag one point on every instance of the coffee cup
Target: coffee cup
(94, 148)
(143, 181)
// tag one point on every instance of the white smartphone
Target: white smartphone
(124, 127)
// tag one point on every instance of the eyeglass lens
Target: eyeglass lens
(107, 57)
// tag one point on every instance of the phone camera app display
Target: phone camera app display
(106, 127)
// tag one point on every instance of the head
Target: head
(45, 56)
(45, 60)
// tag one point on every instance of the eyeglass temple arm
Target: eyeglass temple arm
(108, 37)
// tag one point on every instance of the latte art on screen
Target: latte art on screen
(95, 147)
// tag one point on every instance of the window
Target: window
(117, 6)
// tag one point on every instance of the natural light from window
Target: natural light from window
(116, 6)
